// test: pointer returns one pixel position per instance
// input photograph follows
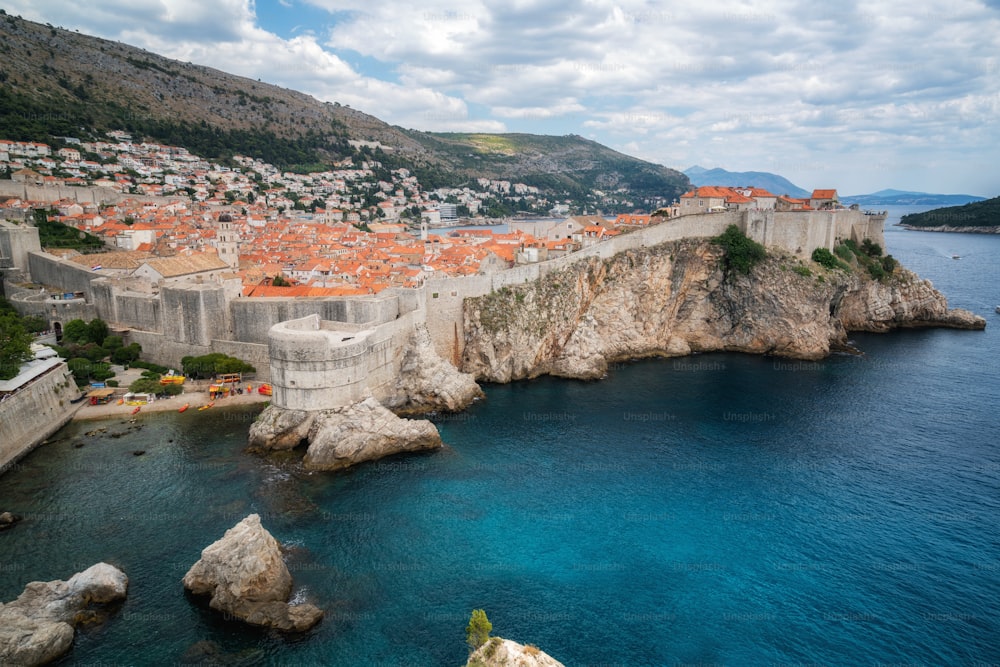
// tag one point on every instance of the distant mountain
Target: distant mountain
(904, 198)
(56, 83)
(773, 183)
(981, 214)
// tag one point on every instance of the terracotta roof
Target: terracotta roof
(182, 265)
(125, 259)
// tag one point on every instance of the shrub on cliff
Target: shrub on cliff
(742, 253)
(827, 259)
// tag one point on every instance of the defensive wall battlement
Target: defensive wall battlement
(192, 317)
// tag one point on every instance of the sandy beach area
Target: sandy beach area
(194, 399)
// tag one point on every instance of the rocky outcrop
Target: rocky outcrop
(428, 383)
(947, 228)
(364, 431)
(499, 652)
(341, 437)
(906, 301)
(38, 626)
(674, 299)
(247, 579)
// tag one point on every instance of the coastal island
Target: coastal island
(982, 217)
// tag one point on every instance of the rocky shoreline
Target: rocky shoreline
(674, 300)
(38, 627)
(946, 228)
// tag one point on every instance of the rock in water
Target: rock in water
(246, 578)
(428, 383)
(499, 652)
(37, 627)
(8, 519)
(364, 431)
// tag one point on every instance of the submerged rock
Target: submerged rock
(8, 519)
(247, 579)
(498, 652)
(38, 626)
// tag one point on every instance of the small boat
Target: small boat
(207, 406)
(998, 309)
(184, 407)
(956, 257)
(120, 401)
(136, 409)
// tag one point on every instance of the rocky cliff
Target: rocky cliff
(428, 383)
(38, 626)
(247, 579)
(674, 299)
(498, 652)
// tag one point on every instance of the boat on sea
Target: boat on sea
(184, 407)
(998, 309)
(956, 257)
(136, 409)
(207, 406)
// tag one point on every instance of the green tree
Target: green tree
(80, 368)
(126, 355)
(97, 331)
(145, 386)
(75, 331)
(477, 632)
(34, 323)
(15, 345)
(741, 252)
(279, 281)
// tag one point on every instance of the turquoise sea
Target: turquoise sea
(711, 510)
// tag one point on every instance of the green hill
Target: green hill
(984, 213)
(56, 83)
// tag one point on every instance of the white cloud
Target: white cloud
(818, 89)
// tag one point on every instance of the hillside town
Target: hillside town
(353, 230)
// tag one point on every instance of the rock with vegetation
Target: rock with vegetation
(679, 298)
(38, 626)
(247, 579)
(981, 216)
(498, 652)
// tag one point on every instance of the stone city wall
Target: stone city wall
(35, 412)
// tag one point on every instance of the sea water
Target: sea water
(716, 509)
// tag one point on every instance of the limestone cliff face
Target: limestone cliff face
(428, 383)
(674, 299)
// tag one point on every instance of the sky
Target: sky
(857, 96)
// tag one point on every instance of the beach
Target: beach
(194, 399)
